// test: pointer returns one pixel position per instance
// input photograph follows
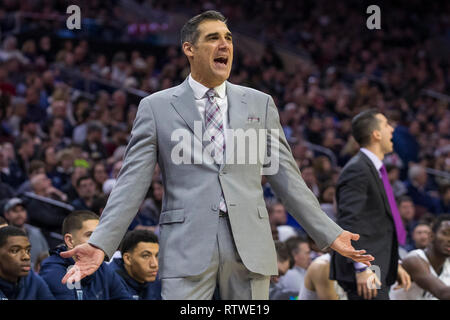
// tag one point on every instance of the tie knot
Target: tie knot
(211, 93)
(383, 169)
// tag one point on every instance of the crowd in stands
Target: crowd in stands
(61, 148)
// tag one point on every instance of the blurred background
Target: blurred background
(68, 98)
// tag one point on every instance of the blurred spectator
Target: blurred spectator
(46, 208)
(290, 284)
(445, 202)
(41, 257)
(327, 199)
(103, 284)
(398, 187)
(17, 280)
(16, 215)
(17, 170)
(36, 167)
(407, 211)
(148, 215)
(99, 174)
(418, 190)
(93, 144)
(283, 266)
(138, 266)
(86, 191)
(278, 218)
(310, 179)
(70, 188)
(421, 236)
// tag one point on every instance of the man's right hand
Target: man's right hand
(87, 260)
(364, 280)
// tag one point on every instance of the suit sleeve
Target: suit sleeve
(132, 183)
(289, 186)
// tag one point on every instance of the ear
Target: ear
(188, 49)
(68, 240)
(127, 258)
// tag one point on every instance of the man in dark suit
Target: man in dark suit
(366, 205)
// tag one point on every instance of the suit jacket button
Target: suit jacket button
(215, 207)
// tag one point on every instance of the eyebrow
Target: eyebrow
(20, 247)
(210, 35)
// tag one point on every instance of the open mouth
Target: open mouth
(221, 61)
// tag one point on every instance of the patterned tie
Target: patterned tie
(214, 126)
(400, 229)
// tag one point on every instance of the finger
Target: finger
(68, 275)
(354, 236)
(374, 293)
(366, 291)
(359, 289)
(378, 281)
(366, 257)
(408, 283)
(67, 254)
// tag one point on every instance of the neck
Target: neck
(128, 270)
(11, 279)
(207, 83)
(376, 150)
(436, 259)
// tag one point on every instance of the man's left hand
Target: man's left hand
(403, 279)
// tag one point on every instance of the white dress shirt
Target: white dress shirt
(201, 99)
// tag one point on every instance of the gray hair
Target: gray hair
(415, 171)
(190, 33)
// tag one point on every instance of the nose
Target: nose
(26, 256)
(154, 262)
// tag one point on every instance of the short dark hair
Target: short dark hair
(74, 221)
(282, 251)
(439, 220)
(83, 178)
(10, 231)
(292, 244)
(404, 199)
(363, 124)
(35, 165)
(189, 32)
(132, 239)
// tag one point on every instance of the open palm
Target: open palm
(343, 245)
(87, 260)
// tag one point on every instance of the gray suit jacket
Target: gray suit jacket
(189, 217)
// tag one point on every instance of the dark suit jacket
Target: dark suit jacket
(363, 208)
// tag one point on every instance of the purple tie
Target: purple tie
(400, 229)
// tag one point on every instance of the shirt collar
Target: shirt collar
(200, 90)
(375, 160)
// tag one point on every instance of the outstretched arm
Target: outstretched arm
(421, 275)
(299, 200)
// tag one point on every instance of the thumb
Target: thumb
(68, 254)
(354, 236)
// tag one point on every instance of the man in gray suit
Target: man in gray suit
(214, 226)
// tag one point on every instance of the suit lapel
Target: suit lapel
(237, 108)
(183, 101)
(378, 181)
